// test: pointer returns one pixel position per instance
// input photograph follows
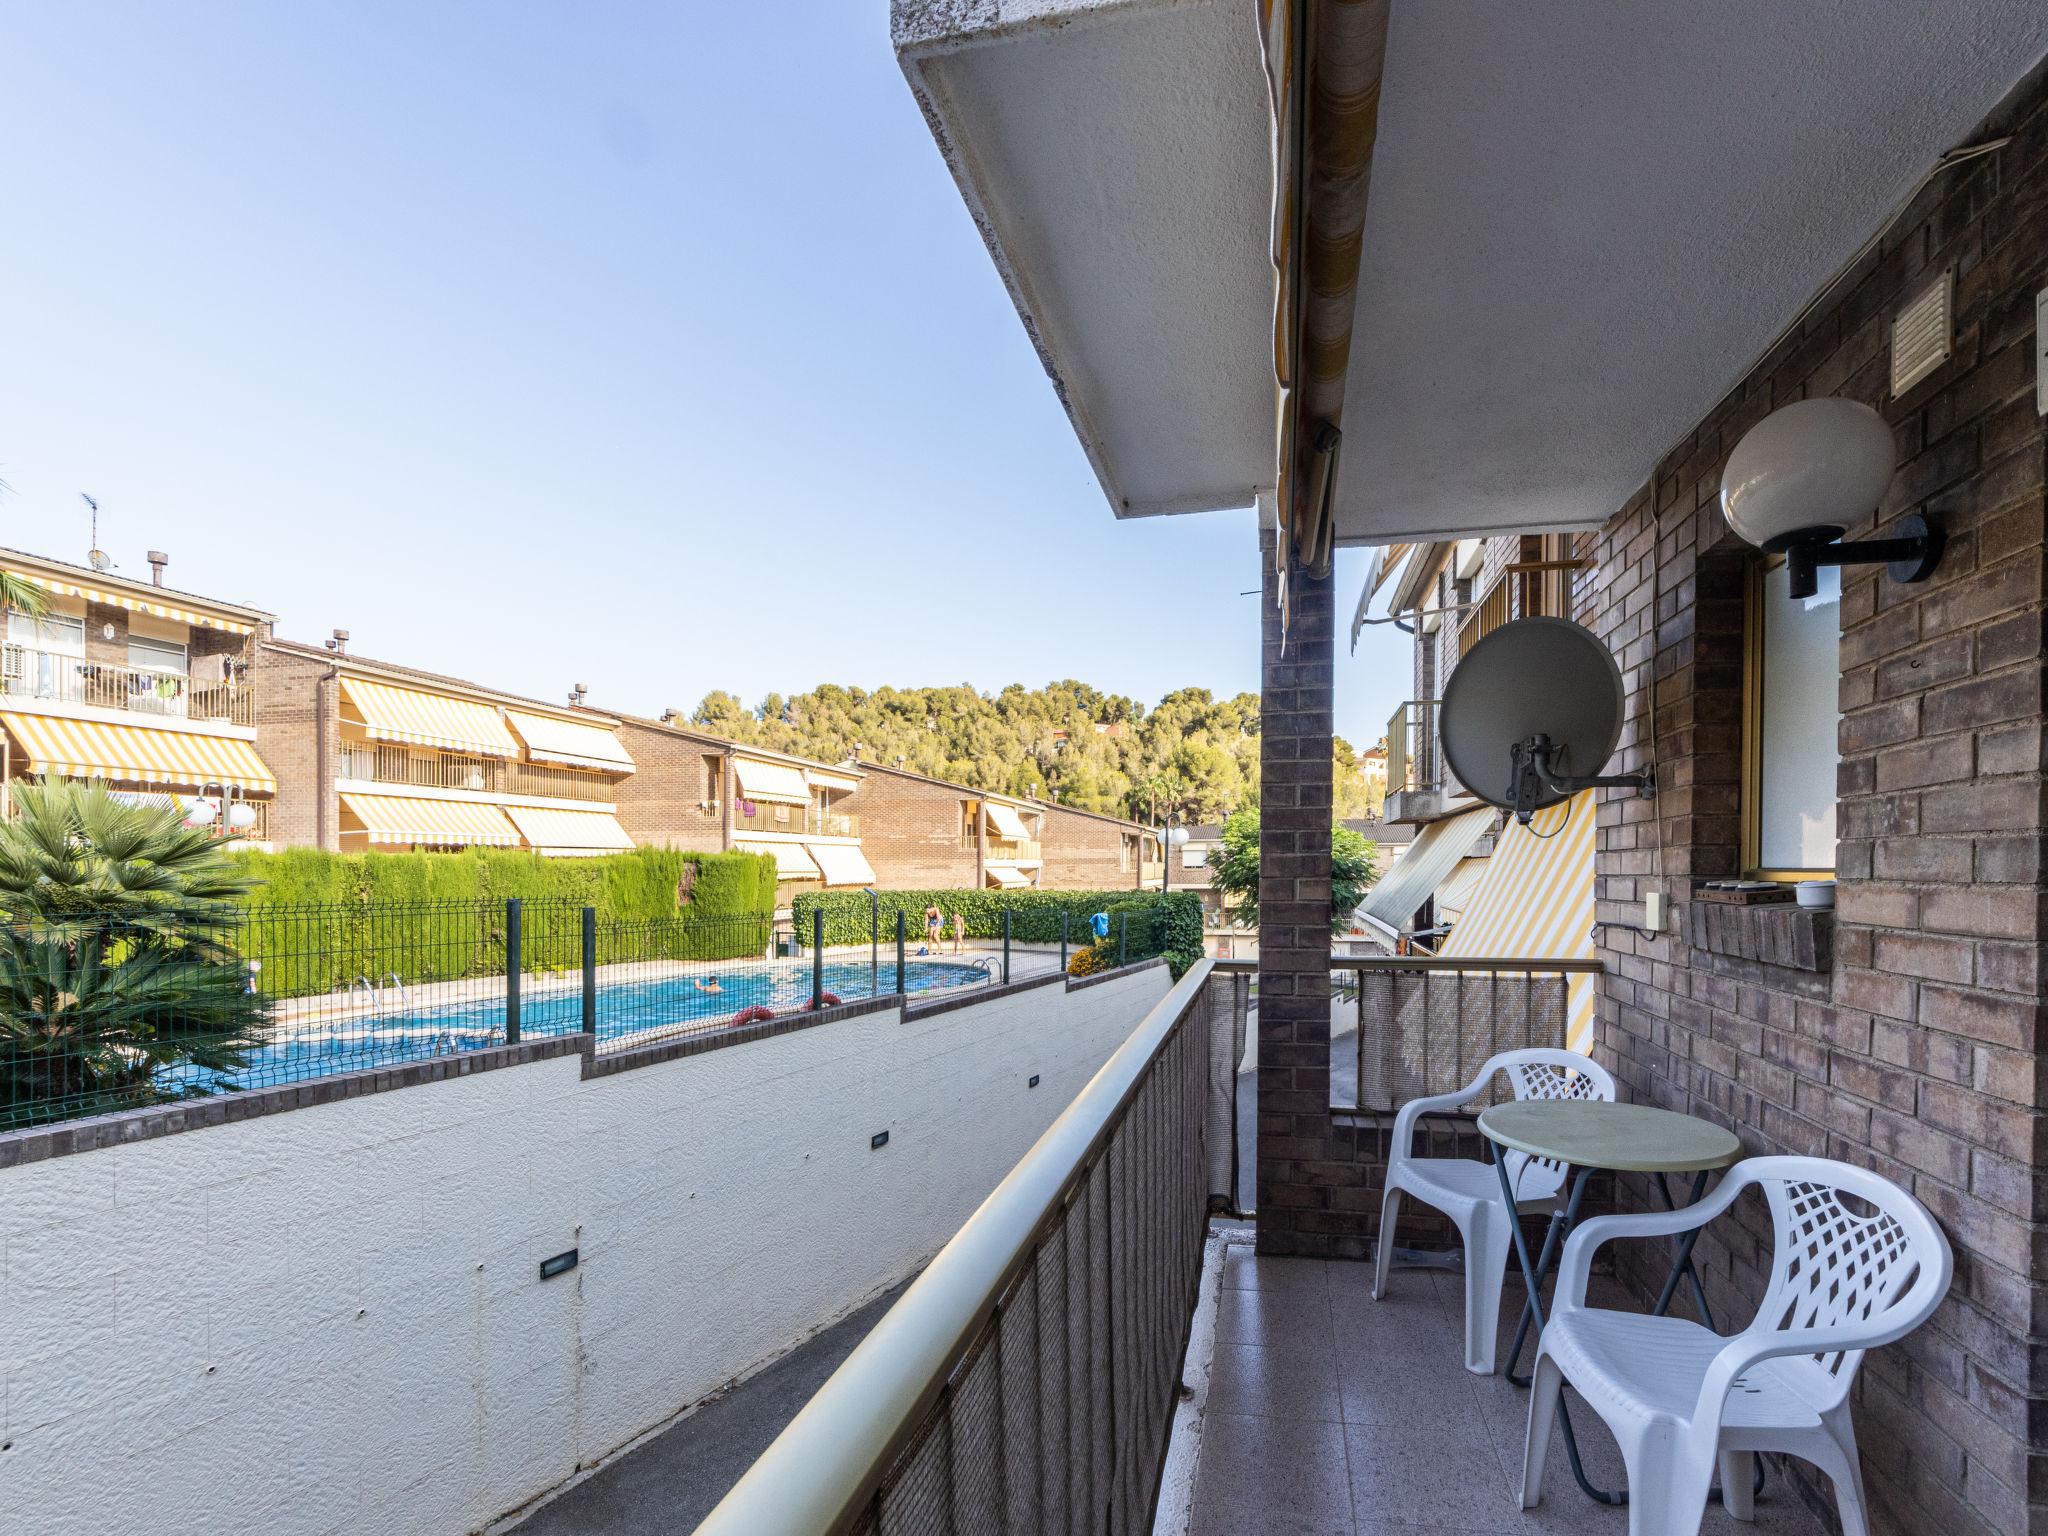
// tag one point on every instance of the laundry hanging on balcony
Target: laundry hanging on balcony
(140, 754)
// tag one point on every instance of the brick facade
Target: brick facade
(296, 714)
(1906, 1035)
(1918, 1052)
(671, 799)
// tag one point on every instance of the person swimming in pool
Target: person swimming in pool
(708, 984)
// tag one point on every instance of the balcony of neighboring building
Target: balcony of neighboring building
(376, 762)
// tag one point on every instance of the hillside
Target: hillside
(1191, 753)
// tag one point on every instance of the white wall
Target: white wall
(330, 1320)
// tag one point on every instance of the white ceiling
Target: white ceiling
(1588, 219)
(1117, 156)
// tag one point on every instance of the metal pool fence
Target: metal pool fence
(1126, 938)
(100, 1014)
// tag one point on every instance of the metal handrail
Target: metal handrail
(1435, 963)
(814, 1479)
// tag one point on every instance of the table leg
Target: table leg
(1532, 1278)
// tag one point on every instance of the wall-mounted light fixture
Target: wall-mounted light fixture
(1804, 474)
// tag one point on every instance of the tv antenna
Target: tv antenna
(1532, 713)
(98, 558)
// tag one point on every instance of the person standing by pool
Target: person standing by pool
(959, 931)
(933, 920)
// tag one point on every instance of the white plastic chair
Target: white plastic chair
(1468, 1191)
(1680, 1397)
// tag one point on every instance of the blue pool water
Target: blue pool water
(624, 1008)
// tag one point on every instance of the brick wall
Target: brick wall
(1917, 1052)
(662, 802)
(289, 703)
(910, 829)
(1085, 853)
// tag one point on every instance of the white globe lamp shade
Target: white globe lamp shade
(1808, 470)
(1175, 836)
(201, 811)
(241, 816)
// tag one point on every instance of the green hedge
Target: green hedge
(1160, 923)
(316, 920)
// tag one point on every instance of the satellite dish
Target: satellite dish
(101, 560)
(1532, 714)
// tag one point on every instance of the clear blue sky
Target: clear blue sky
(546, 343)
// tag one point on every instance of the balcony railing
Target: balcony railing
(1026, 1381)
(36, 674)
(1529, 589)
(1023, 849)
(1413, 761)
(807, 820)
(1425, 1025)
(426, 769)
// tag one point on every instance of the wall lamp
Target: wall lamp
(1804, 474)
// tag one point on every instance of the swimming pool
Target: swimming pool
(652, 1008)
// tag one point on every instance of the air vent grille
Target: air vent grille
(1921, 339)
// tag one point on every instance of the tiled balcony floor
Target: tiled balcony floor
(1331, 1414)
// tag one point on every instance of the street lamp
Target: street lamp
(1171, 836)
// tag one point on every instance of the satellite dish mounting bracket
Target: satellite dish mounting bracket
(1538, 766)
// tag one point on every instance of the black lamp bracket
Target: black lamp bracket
(1538, 766)
(1910, 555)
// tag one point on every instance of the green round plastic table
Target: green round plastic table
(1591, 1137)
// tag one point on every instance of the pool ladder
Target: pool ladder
(375, 991)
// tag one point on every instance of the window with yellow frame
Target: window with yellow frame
(1791, 725)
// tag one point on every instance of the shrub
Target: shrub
(1092, 958)
(1168, 923)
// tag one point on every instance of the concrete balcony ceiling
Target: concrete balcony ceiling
(1586, 222)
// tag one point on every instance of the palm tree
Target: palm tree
(119, 983)
(22, 595)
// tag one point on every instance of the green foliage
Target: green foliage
(1092, 958)
(318, 920)
(1235, 871)
(112, 961)
(1193, 754)
(1168, 923)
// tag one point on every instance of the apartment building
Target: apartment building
(710, 794)
(377, 757)
(138, 684)
(927, 832)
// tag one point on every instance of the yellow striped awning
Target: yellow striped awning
(771, 781)
(792, 861)
(407, 819)
(842, 863)
(557, 831)
(1420, 868)
(134, 604)
(1009, 877)
(574, 742)
(94, 749)
(1535, 902)
(391, 713)
(1004, 821)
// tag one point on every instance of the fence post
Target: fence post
(512, 963)
(874, 941)
(1063, 941)
(590, 970)
(1123, 935)
(1006, 946)
(900, 978)
(818, 958)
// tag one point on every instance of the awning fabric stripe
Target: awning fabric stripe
(792, 861)
(1005, 822)
(135, 604)
(771, 781)
(552, 830)
(1008, 877)
(1422, 866)
(409, 819)
(392, 713)
(818, 778)
(842, 863)
(94, 749)
(1454, 894)
(1535, 902)
(574, 742)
